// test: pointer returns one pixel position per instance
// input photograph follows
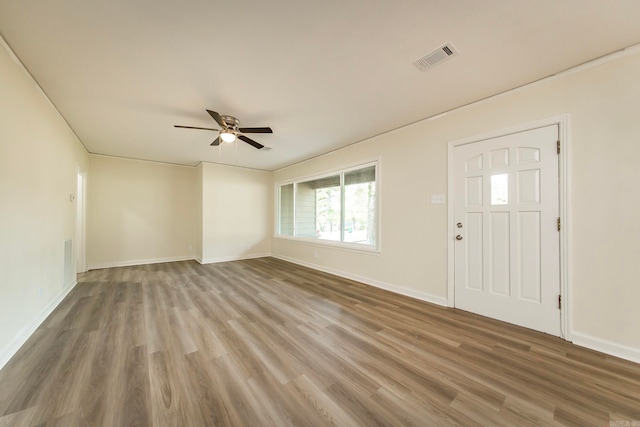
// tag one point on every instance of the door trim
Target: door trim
(562, 122)
(81, 222)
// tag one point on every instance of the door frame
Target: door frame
(81, 221)
(562, 122)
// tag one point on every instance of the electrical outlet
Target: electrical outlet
(190, 247)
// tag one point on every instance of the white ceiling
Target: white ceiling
(323, 74)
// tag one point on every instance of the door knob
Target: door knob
(459, 225)
(458, 237)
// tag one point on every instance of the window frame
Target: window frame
(358, 247)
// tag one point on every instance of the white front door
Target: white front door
(507, 248)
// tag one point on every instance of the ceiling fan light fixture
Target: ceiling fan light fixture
(227, 136)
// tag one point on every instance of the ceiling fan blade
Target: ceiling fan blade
(256, 130)
(218, 118)
(216, 142)
(194, 127)
(250, 141)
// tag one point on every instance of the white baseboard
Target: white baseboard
(423, 296)
(604, 346)
(231, 258)
(138, 262)
(174, 259)
(7, 353)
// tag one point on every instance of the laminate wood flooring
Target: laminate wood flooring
(268, 343)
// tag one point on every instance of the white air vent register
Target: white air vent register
(432, 58)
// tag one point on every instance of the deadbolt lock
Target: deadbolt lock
(459, 225)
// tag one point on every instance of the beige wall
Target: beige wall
(39, 157)
(143, 212)
(237, 213)
(139, 212)
(604, 172)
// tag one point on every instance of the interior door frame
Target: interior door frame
(562, 122)
(81, 222)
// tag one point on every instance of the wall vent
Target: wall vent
(432, 58)
(67, 278)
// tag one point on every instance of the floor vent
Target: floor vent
(432, 58)
(67, 279)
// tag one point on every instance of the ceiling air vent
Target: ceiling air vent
(438, 55)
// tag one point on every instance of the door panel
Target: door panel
(507, 258)
(500, 268)
(529, 261)
(474, 267)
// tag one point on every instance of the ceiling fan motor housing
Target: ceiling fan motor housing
(232, 122)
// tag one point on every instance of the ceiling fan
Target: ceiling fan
(230, 131)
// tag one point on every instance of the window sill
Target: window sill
(350, 247)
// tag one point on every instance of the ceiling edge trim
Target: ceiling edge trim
(193, 166)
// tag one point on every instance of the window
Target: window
(339, 207)
(500, 189)
(285, 193)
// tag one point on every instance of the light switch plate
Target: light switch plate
(437, 199)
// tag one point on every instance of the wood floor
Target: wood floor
(268, 343)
